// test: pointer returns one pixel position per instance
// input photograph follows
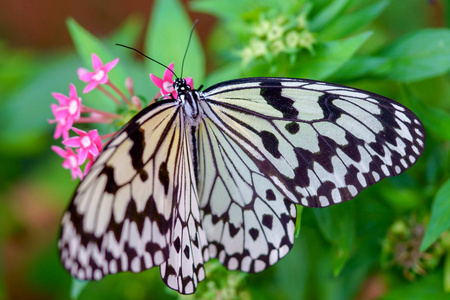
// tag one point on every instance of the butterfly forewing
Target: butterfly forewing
(319, 143)
(133, 209)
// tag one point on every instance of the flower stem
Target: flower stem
(100, 112)
(107, 136)
(124, 98)
(113, 98)
(95, 120)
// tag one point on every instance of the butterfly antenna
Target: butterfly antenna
(187, 48)
(150, 58)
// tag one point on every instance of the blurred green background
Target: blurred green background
(391, 242)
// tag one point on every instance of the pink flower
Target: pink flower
(63, 124)
(69, 107)
(66, 113)
(90, 161)
(70, 161)
(86, 143)
(166, 83)
(100, 74)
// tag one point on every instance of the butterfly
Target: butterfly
(218, 174)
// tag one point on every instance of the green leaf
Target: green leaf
(446, 12)
(447, 272)
(129, 32)
(298, 221)
(329, 57)
(328, 14)
(439, 220)
(428, 287)
(229, 71)
(358, 67)
(222, 9)
(417, 56)
(352, 22)
(167, 37)
(434, 119)
(337, 224)
(77, 287)
(86, 44)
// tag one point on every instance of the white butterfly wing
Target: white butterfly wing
(248, 221)
(138, 208)
(320, 143)
(268, 142)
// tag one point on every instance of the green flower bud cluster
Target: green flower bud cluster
(271, 38)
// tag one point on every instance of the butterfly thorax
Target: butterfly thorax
(189, 99)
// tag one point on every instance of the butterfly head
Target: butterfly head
(181, 86)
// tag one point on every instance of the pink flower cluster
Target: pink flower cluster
(84, 147)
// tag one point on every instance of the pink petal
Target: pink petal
(61, 130)
(88, 166)
(79, 131)
(110, 65)
(104, 79)
(65, 133)
(69, 123)
(82, 155)
(84, 74)
(168, 74)
(72, 142)
(76, 172)
(60, 113)
(59, 151)
(93, 149)
(57, 133)
(55, 109)
(91, 85)
(156, 80)
(72, 92)
(66, 164)
(96, 62)
(93, 134)
(190, 82)
(98, 143)
(62, 99)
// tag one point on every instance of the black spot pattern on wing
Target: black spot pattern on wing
(270, 142)
(136, 151)
(111, 186)
(271, 92)
(330, 112)
(163, 176)
(292, 128)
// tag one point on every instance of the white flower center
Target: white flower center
(72, 161)
(98, 75)
(85, 141)
(73, 106)
(168, 86)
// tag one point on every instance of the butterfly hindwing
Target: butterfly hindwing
(135, 206)
(319, 143)
(188, 251)
(248, 227)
